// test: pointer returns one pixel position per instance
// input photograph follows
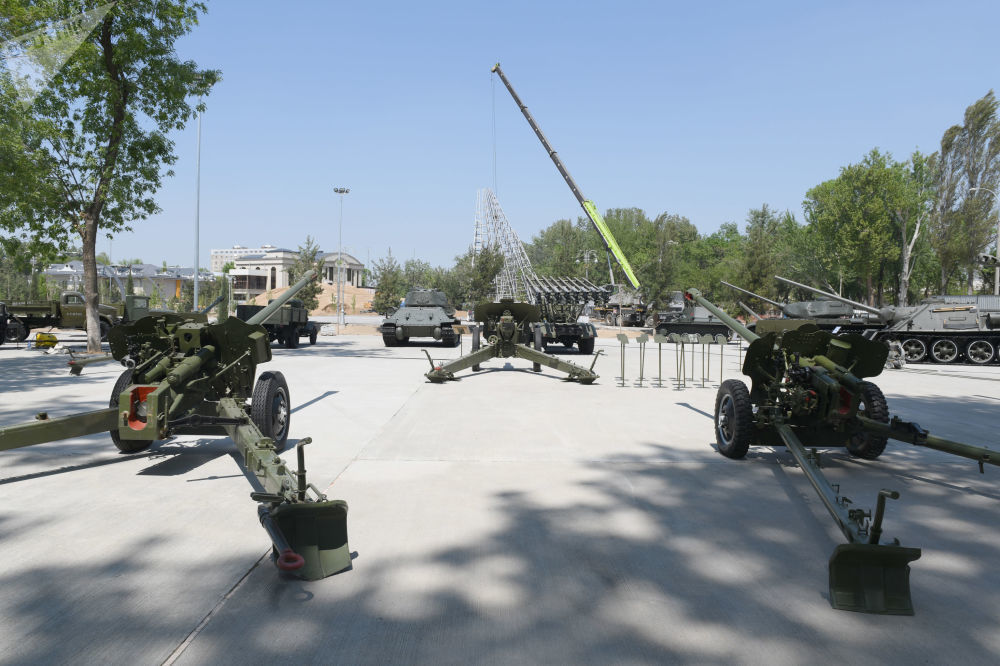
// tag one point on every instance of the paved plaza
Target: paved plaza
(509, 517)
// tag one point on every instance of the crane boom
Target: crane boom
(610, 244)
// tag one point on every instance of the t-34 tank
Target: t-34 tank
(425, 313)
(932, 331)
(827, 314)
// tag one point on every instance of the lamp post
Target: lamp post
(587, 257)
(996, 271)
(340, 254)
(197, 213)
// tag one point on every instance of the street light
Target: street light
(340, 254)
(996, 271)
(587, 257)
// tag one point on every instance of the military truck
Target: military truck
(285, 325)
(561, 302)
(68, 311)
(425, 313)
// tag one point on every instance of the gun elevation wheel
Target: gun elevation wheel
(914, 350)
(865, 444)
(127, 445)
(269, 407)
(733, 419)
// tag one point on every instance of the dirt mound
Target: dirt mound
(356, 299)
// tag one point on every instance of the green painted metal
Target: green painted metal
(809, 385)
(506, 324)
(191, 377)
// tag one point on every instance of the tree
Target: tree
(391, 286)
(308, 259)
(87, 153)
(417, 273)
(962, 220)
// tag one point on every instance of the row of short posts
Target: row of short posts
(681, 341)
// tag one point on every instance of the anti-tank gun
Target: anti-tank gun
(809, 385)
(506, 324)
(187, 377)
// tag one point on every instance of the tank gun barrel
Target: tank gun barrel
(211, 305)
(750, 293)
(693, 294)
(748, 310)
(860, 306)
(276, 304)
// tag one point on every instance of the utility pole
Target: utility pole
(340, 255)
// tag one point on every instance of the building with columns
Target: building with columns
(255, 274)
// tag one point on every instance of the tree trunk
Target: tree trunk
(90, 290)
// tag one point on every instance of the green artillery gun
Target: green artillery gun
(506, 323)
(187, 377)
(809, 384)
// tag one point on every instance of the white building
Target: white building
(220, 258)
(255, 274)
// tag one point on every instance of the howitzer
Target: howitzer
(810, 384)
(506, 323)
(188, 377)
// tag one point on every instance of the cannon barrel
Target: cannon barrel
(211, 305)
(693, 294)
(276, 304)
(836, 297)
(750, 293)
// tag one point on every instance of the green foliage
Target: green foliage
(87, 154)
(391, 284)
(307, 259)
(417, 273)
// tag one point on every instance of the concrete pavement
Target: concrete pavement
(506, 517)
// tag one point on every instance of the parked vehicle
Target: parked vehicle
(286, 324)
(68, 311)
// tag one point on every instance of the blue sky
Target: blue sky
(699, 109)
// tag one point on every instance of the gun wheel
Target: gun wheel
(733, 419)
(312, 336)
(864, 444)
(127, 445)
(269, 408)
(16, 332)
(914, 350)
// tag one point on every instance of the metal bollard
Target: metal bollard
(659, 340)
(622, 338)
(642, 339)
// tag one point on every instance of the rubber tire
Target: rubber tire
(734, 438)
(16, 332)
(128, 445)
(313, 333)
(586, 345)
(104, 327)
(863, 444)
(269, 404)
(292, 338)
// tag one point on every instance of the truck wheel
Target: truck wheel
(312, 335)
(16, 332)
(733, 419)
(292, 337)
(865, 444)
(104, 327)
(586, 345)
(126, 445)
(269, 408)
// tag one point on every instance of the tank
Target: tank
(425, 313)
(827, 314)
(686, 317)
(934, 331)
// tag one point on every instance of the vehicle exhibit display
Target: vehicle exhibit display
(808, 385)
(685, 317)
(68, 311)
(285, 324)
(425, 313)
(194, 378)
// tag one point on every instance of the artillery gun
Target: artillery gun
(934, 330)
(810, 384)
(505, 325)
(187, 377)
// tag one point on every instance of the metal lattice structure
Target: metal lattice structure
(493, 230)
(561, 299)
